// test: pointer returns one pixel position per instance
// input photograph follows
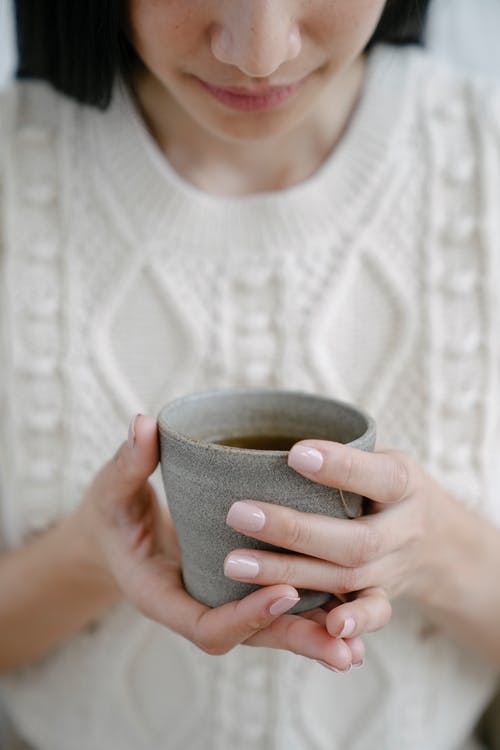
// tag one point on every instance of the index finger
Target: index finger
(346, 542)
(254, 621)
(385, 477)
(156, 589)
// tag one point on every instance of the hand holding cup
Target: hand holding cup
(128, 539)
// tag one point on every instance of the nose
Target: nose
(256, 36)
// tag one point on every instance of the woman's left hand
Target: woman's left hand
(389, 551)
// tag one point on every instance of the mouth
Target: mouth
(256, 99)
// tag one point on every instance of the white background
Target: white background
(466, 31)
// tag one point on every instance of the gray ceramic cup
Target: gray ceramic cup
(203, 479)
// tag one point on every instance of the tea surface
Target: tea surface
(260, 442)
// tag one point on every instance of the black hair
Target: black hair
(81, 46)
(402, 22)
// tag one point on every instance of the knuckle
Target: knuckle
(297, 532)
(287, 570)
(367, 545)
(349, 580)
(122, 466)
(257, 622)
(347, 467)
(211, 647)
(399, 476)
(379, 611)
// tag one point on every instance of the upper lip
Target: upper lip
(261, 90)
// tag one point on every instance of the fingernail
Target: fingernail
(334, 669)
(241, 566)
(358, 665)
(245, 516)
(282, 605)
(302, 458)
(348, 628)
(131, 430)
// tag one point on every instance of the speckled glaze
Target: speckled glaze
(202, 479)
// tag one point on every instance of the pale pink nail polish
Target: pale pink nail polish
(348, 628)
(302, 458)
(282, 605)
(131, 430)
(334, 669)
(241, 566)
(245, 516)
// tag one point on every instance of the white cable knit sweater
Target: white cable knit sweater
(123, 286)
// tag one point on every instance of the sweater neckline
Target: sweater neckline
(155, 200)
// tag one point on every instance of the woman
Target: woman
(266, 197)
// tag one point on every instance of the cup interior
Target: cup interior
(208, 416)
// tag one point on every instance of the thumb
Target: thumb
(139, 455)
(121, 479)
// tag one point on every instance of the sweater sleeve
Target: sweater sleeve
(488, 126)
(494, 179)
(3, 139)
(8, 107)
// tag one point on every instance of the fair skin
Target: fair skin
(415, 540)
(120, 542)
(254, 45)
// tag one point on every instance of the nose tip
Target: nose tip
(257, 53)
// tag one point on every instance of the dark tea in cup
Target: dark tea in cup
(258, 442)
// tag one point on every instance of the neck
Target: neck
(231, 167)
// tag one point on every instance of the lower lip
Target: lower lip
(256, 103)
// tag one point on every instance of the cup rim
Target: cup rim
(199, 442)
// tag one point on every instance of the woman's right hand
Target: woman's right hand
(129, 536)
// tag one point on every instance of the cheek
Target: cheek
(162, 31)
(346, 26)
